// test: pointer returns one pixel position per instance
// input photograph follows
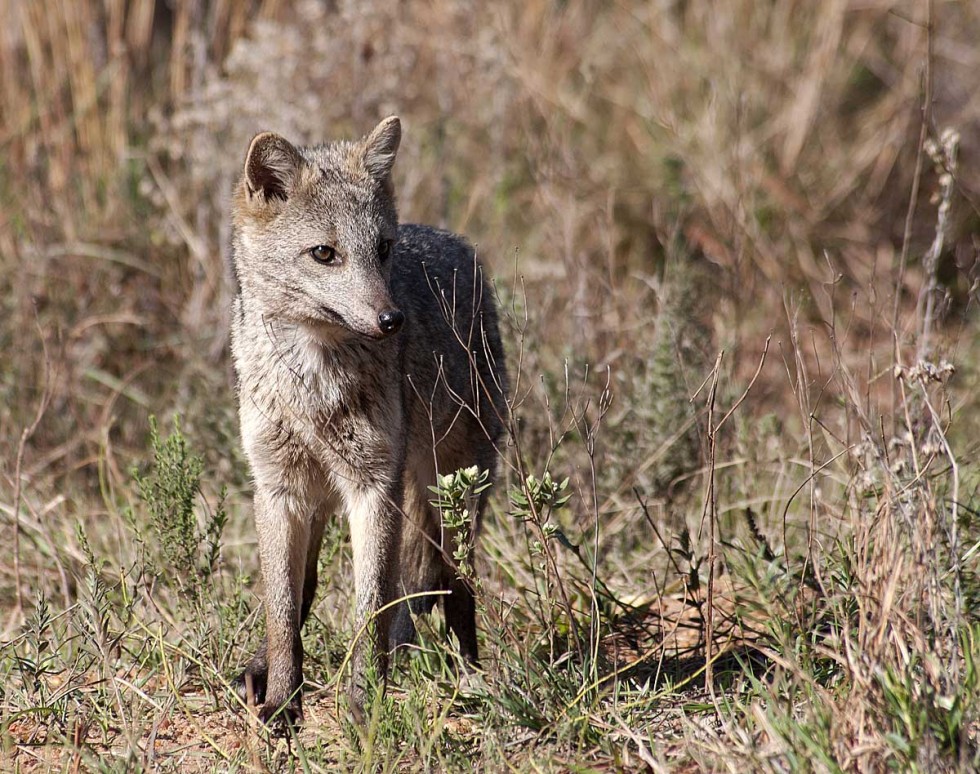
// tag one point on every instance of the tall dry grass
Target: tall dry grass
(583, 136)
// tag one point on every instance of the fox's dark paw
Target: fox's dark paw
(282, 716)
(258, 676)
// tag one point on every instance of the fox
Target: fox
(369, 361)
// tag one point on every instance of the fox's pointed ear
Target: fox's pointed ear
(272, 165)
(381, 146)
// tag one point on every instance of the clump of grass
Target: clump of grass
(659, 408)
(183, 545)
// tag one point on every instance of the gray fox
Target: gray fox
(369, 359)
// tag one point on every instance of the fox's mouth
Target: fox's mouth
(326, 324)
(327, 316)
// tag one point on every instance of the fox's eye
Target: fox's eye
(384, 249)
(324, 254)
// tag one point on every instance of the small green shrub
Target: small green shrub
(185, 534)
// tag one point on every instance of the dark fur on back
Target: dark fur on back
(456, 383)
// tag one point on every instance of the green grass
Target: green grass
(583, 667)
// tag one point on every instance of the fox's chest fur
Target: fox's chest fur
(317, 417)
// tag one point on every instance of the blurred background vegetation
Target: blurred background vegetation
(651, 183)
(772, 148)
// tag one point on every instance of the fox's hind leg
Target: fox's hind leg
(460, 611)
(459, 606)
(420, 565)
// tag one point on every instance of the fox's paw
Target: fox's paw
(282, 716)
(253, 679)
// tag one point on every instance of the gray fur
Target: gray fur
(341, 413)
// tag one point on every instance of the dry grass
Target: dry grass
(784, 582)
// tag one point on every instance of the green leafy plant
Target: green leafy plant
(455, 495)
(185, 534)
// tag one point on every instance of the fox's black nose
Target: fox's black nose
(390, 320)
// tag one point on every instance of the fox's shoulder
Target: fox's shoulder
(439, 251)
(420, 238)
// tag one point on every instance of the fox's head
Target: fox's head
(315, 232)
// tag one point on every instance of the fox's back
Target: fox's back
(453, 359)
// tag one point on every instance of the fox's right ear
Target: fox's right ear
(380, 148)
(272, 165)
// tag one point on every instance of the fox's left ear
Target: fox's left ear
(380, 148)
